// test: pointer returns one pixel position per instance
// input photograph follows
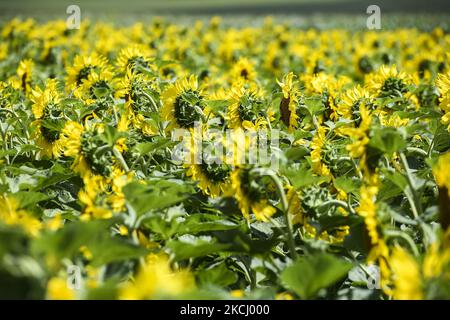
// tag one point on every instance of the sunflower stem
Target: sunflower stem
(121, 160)
(404, 236)
(338, 203)
(285, 205)
(414, 200)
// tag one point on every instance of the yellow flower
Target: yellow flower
(284, 296)
(359, 135)
(406, 276)
(24, 72)
(123, 230)
(134, 58)
(443, 84)
(156, 279)
(243, 70)
(249, 202)
(132, 88)
(317, 145)
(245, 109)
(12, 214)
(95, 86)
(351, 100)
(289, 102)
(45, 106)
(57, 289)
(389, 82)
(55, 223)
(367, 209)
(183, 103)
(82, 67)
(43, 98)
(87, 254)
(437, 262)
(441, 172)
(238, 293)
(294, 204)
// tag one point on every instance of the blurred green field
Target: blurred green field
(98, 7)
(306, 13)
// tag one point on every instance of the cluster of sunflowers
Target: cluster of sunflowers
(93, 203)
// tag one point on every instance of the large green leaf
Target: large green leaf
(155, 194)
(388, 140)
(309, 274)
(94, 235)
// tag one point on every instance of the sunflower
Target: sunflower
(443, 84)
(136, 58)
(103, 198)
(137, 89)
(411, 278)
(441, 172)
(407, 278)
(97, 86)
(82, 67)
(91, 153)
(243, 70)
(350, 101)
(24, 72)
(12, 214)
(250, 195)
(156, 279)
(329, 87)
(213, 175)
(358, 135)
(183, 103)
(49, 116)
(379, 252)
(367, 209)
(90, 196)
(289, 102)
(294, 205)
(388, 82)
(97, 165)
(317, 144)
(272, 57)
(246, 109)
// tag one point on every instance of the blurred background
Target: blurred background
(408, 12)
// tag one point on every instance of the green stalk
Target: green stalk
(121, 160)
(414, 201)
(285, 205)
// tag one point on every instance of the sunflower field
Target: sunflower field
(95, 203)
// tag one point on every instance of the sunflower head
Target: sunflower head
(49, 117)
(243, 70)
(136, 58)
(290, 100)
(83, 67)
(443, 84)
(97, 87)
(96, 153)
(45, 102)
(183, 103)
(246, 109)
(388, 82)
(251, 195)
(24, 72)
(351, 100)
